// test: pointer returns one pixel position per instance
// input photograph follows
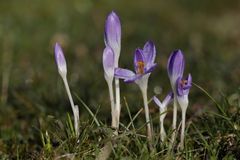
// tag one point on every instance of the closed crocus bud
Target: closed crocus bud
(108, 64)
(175, 67)
(60, 61)
(112, 35)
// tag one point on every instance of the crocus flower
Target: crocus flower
(175, 70)
(175, 67)
(180, 88)
(112, 36)
(112, 39)
(144, 65)
(183, 87)
(108, 64)
(60, 60)
(162, 110)
(62, 69)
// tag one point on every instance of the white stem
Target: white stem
(74, 108)
(145, 101)
(162, 130)
(117, 105)
(174, 118)
(113, 110)
(183, 127)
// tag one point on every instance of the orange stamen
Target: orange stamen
(140, 67)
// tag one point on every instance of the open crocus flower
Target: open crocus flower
(162, 110)
(183, 87)
(143, 63)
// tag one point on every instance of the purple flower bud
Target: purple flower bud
(108, 63)
(175, 66)
(112, 35)
(165, 102)
(60, 60)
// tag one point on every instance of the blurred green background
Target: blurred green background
(208, 32)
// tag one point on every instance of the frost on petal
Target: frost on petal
(60, 60)
(108, 63)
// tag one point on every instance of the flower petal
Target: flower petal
(149, 52)
(60, 60)
(168, 99)
(112, 36)
(138, 61)
(151, 68)
(157, 101)
(133, 78)
(183, 86)
(108, 62)
(123, 73)
(175, 66)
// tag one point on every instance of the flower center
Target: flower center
(183, 83)
(140, 67)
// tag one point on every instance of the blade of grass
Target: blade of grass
(129, 114)
(204, 91)
(89, 111)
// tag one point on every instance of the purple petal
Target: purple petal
(175, 66)
(60, 60)
(123, 73)
(133, 78)
(112, 36)
(168, 99)
(108, 62)
(157, 101)
(149, 52)
(151, 68)
(139, 61)
(183, 86)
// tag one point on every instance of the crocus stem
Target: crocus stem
(183, 128)
(113, 112)
(74, 107)
(145, 101)
(117, 109)
(174, 118)
(162, 130)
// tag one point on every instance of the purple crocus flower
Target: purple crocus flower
(180, 88)
(175, 67)
(60, 60)
(143, 64)
(112, 36)
(108, 64)
(162, 105)
(162, 110)
(183, 87)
